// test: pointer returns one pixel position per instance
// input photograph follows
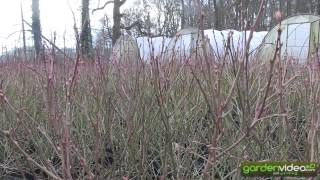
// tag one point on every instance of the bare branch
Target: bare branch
(122, 2)
(102, 7)
(139, 28)
(52, 43)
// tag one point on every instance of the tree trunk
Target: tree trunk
(244, 13)
(36, 27)
(297, 7)
(237, 13)
(310, 7)
(272, 11)
(116, 29)
(281, 6)
(318, 7)
(23, 36)
(85, 35)
(183, 20)
(289, 8)
(216, 16)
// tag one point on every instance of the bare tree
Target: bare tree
(85, 35)
(23, 34)
(318, 7)
(116, 29)
(36, 27)
(217, 19)
(218, 14)
(183, 21)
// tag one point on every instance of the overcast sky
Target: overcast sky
(55, 16)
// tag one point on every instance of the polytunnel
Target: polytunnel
(188, 43)
(126, 49)
(299, 38)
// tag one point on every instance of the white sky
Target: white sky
(55, 16)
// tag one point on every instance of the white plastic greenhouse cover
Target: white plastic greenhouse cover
(299, 38)
(125, 48)
(152, 46)
(217, 39)
(188, 42)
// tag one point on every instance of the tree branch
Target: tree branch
(122, 2)
(139, 28)
(102, 7)
(135, 24)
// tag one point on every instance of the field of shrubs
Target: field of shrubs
(176, 119)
